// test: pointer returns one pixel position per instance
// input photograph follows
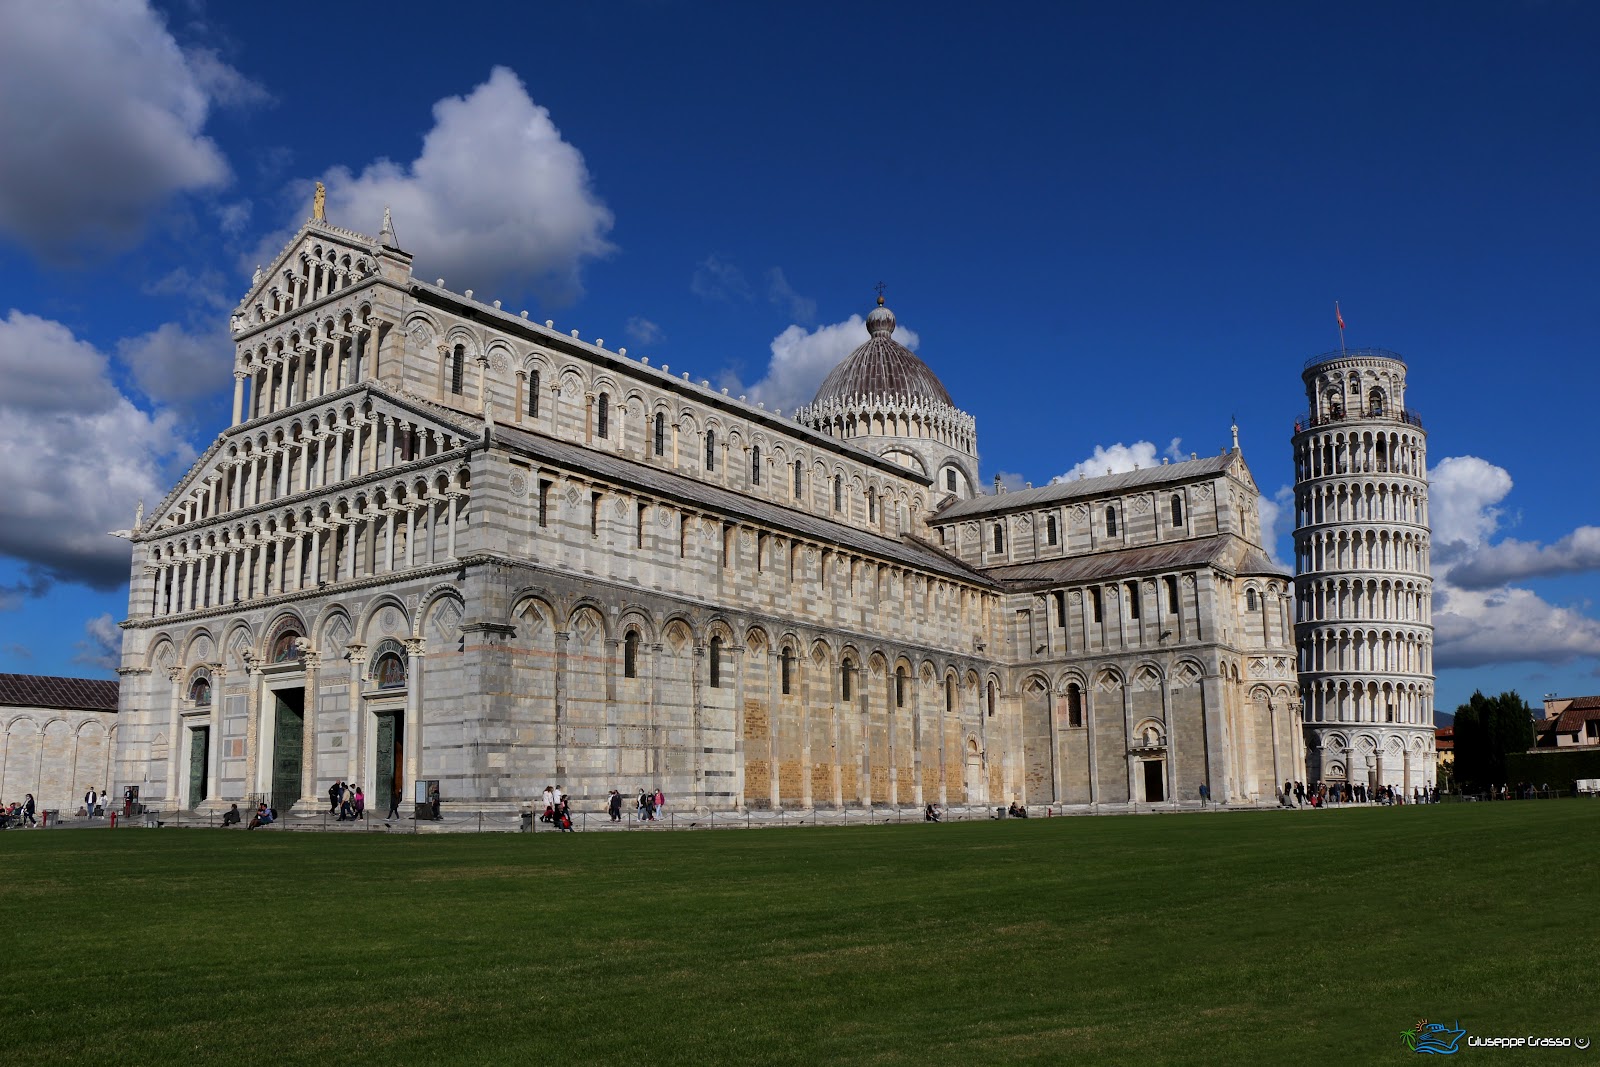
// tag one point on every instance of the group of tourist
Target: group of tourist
(93, 805)
(652, 806)
(557, 809)
(263, 816)
(1299, 795)
(18, 813)
(348, 802)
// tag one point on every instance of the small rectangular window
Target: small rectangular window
(594, 514)
(544, 502)
(644, 510)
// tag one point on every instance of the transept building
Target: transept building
(443, 543)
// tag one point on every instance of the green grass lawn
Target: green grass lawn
(1224, 938)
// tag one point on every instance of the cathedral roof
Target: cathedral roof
(1057, 492)
(882, 366)
(1223, 551)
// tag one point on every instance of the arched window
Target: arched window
(786, 665)
(1177, 510)
(950, 479)
(999, 537)
(1074, 705)
(990, 698)
(755, 464)
(283, 649)
(799, 477)
(949, 695)
(1111, 522)
(1250, 603)
(838, 492)
(711, 451)
(602, 415)
(1049, 529)
(1375, 402)
(661, 434)
(716, 663)
(899, 687)
(388, 670)
(533, 394)
(458, 369)
(846, 669)
(200, 692)
(872, 505)
(630, 655)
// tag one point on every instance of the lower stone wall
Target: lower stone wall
(56, 755)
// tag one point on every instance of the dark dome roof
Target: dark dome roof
(882, 367)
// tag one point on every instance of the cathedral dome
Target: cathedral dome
(882, 367)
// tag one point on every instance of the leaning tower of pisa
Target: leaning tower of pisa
(1363, 629)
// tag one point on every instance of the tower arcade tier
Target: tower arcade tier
(1363, 590)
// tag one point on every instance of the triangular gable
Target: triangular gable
(384, 399)
(317, 235)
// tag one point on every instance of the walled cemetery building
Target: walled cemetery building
(56, 739)
(442, 542)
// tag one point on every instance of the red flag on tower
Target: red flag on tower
(1337, 315)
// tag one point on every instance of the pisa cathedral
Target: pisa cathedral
(441, 542)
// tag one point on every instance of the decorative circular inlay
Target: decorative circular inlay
(498, 361)
(391, 621)
(519, 485)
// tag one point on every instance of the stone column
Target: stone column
(698, 727)
(655, 761)
(737, 653)
(214, 756)
(561, 702)
(1089, 722)
(312, 662)
(1057, 789)
(174, 739)
(413, 737)
(238, 395)
(1217, 740)
(356, 653)
(1172, 736)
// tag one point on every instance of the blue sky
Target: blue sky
(1107, 228)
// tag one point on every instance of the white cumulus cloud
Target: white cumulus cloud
(174, 366)
(498, 201)
(1119, 459)
(79, 456)
(1462, 495)
(101, 644)
(1274, 510)
(1473, 627)
(1511, 560)
(801, 358)
(101, 114)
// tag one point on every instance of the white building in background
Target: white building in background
(1363, 586)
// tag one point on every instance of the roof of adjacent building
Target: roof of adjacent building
(1444, 739)
(882, 366)
(1223, 551)
(1058, 492)
(1573, 716)
(699, 495)
(46, 691)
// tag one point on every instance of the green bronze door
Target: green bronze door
(199, 743)
(287, 749)
(390, 746)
